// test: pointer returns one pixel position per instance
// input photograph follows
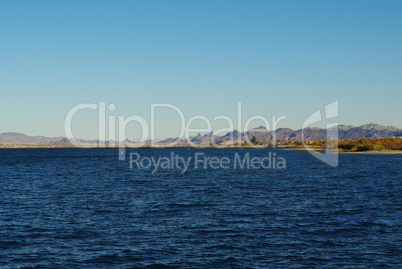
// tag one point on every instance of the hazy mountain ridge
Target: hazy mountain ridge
(261, 133)
(12, 138)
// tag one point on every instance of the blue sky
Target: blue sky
(276, 57)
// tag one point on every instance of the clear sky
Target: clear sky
(276, 57)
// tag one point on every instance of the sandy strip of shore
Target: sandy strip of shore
(312, 149)
(375, 152)
(347, 152)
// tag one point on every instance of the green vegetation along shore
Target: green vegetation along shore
(362, 145)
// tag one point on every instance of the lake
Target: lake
(69, 208)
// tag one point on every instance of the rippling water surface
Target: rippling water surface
(69, 208)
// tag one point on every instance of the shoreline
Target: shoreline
(374, 152)
(348, 152)
(187, 146)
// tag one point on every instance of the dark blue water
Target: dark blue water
(69, 208)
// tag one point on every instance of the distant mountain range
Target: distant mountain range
(261, 133)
